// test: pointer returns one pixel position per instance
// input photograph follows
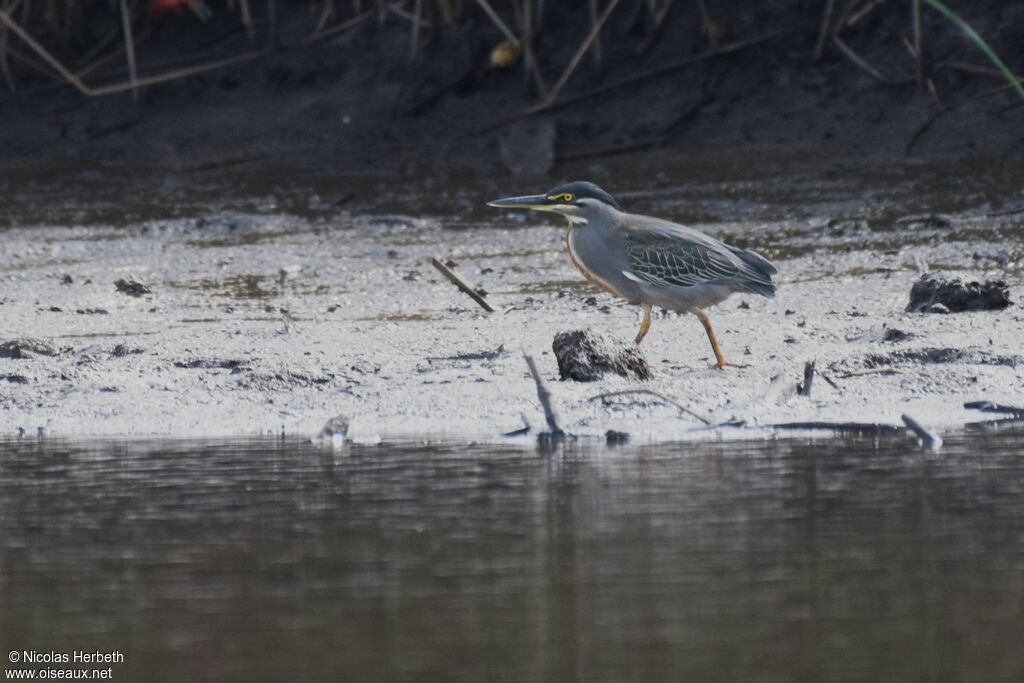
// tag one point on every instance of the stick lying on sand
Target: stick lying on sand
(544, 396)
(805, 388)
(461, 283)
(655, 394)
(932, 442)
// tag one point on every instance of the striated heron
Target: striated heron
(649, 261)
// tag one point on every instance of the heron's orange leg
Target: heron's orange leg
(645, 325)
(706, 322)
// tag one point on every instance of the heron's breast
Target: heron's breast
(582, 259)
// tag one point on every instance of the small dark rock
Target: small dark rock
(894, 335)
(957, 296)
(584, 356)
(120, 351)
(67, 280)
(26, 348)
(91, 311)
(614, 438)
(132, 288)
(210, 364)
(336, 427)
(15, 379)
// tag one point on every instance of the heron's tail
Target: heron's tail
(765, 288)
(759, 273)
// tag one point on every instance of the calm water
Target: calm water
(271, 560)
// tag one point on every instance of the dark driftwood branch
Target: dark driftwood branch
(462, 284)
(648, 392)
(990, 407)
(932, 442)
(544, 396)
(805, 388)
(858, 428)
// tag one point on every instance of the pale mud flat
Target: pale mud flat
(376, 334)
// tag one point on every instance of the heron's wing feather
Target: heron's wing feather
(667, 259)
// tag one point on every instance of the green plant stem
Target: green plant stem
(979, 41)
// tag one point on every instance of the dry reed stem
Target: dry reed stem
(826, 20)
(659, 21)
(580, 53)
(414, 48)
(243, 6)
(858, 60)
(497, 20)
(90, 91)
(864, 12)
(918, 54)
(658, 72)
(129, 49)
(596, 52)
(343, 26)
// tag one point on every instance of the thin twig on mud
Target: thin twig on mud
(462, 284)
(828, 380)
(921, 130)
(648, 392)
(544, 396)
(872, 371)
(1005, 212)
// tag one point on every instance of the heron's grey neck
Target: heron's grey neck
(594, 213)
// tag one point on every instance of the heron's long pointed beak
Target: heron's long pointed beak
(537, 202)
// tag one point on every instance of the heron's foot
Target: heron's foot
(644, 325)
(723, 363)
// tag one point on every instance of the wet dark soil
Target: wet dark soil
(357, 115)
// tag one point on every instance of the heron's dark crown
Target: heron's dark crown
(582, 189)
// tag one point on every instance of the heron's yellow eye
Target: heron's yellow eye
(567, 197)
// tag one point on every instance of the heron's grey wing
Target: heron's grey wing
(667, 259)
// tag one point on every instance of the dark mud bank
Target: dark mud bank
(360, 103)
